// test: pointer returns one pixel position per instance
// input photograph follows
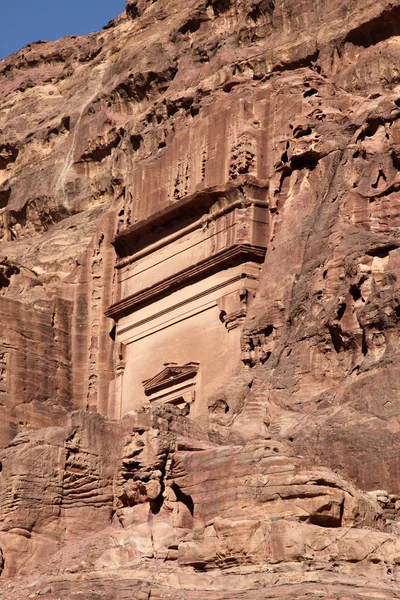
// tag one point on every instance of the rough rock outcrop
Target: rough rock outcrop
(161, 503)
(288, 485)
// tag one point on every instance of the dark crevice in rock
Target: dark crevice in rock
(309, 61)
(4, 197)
(37, 215)
(377, 30)
(173, 106)
(8, 155)
(308, 160)
(310, 92)
(64, 126)
(91, 55)
(336, 336)
(135, 8)
(101, 152)
(157, 504)
(220, 6)
(341, 310)
(382, 251)
(269, 330)
(131, 467)
(184, 498)
(300, 131)
(364, 345)
(395, 160)
(284, 181)
(6, 272)
(136, 141)
(199, 566)
(218, 406)
(260, 10)
(17, 217)
(355, 292)
(381, 177)
(371, 128)
(132, 10)
(141, 85)
(322, 518)
(190, 26)
(284, 157)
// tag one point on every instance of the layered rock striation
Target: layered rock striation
(237, 162)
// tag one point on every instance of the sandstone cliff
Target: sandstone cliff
(289, 486)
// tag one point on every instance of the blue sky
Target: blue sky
(25, 21)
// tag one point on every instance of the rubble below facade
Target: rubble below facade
(199, 283)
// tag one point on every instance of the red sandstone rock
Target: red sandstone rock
(221, 180)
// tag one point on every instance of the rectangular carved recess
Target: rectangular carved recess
(185, 280)
(230, 222)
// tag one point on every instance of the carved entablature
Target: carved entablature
(186, 277)
(204, 234)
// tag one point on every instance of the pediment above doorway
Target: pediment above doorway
(175, 384)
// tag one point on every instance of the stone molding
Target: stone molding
(170, 375)
(231, 256)
(193, 206)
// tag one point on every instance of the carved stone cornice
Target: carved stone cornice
(170, 376)
(192, 209)
(231, 256)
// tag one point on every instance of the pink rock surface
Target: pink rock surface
(284, 481)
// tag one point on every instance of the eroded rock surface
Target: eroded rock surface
(158, 502)
(287, 486)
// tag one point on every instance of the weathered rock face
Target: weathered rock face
(182, 506)
(220, 177)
